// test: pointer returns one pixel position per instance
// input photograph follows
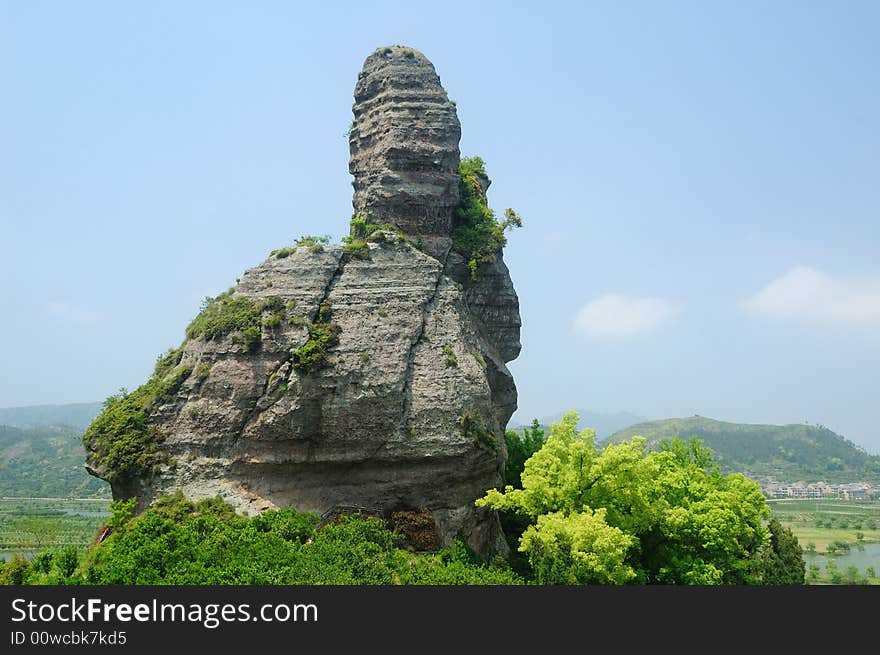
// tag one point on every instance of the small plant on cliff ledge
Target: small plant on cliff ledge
(473, 427)
(362, 232)
(223, 315)
(167, 361)
(451, 359)
(323, 334)
(476, 232)
(313, 243)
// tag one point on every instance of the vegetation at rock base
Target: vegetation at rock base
(476, 232)
(181, 542)
(628, 514)
(323, 334)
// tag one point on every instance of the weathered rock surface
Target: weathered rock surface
(408, 412)
(404, 147)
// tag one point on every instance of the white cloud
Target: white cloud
(805, 294)
(70, 313)
(613, 316)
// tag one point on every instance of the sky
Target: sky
(698, 184)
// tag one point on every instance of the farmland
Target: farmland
(29, 525)
(841, 539)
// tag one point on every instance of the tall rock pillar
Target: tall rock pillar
(404, 147)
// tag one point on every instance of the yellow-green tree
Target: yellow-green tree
(626, 513)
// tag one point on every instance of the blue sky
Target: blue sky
(699, 184)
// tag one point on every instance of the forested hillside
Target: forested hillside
(786, 452)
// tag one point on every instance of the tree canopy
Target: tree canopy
(629, 514)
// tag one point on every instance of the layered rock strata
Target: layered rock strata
(407, 409)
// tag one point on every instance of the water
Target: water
(7, 554)
(868, 555)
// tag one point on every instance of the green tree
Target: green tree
(684, 523)
(834, 574)
(578, 548)
(519, 449)
(16, 571)
(852, 575)
(782, 562)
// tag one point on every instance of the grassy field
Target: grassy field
(29, 525)
(825, 521)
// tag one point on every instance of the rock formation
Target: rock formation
(330, 380)
(404, 147)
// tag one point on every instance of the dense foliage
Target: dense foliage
(476, 232)
(519, 448)
(787, 452)
(227, 314)
(180, 542)
(627, 514)
(783, 560)
(121, 440)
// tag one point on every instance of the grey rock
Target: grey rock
(404, 147)
(409, 410)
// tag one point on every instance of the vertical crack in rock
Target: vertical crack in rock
(427, 308)
(250, 416)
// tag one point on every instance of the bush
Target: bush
(357, 248)
(167, 361)
(323, 334)
(313, 243)
(202, 371)
(476, 233)
(16, 571)
(121, 440)
(181, 542)
(683, 521)
(223, 315)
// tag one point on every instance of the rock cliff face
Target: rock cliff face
(404, 147)
(404, 406)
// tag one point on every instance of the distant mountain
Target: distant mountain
(46, 461)
(604, 424)
(76, 415)
(787, 452)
